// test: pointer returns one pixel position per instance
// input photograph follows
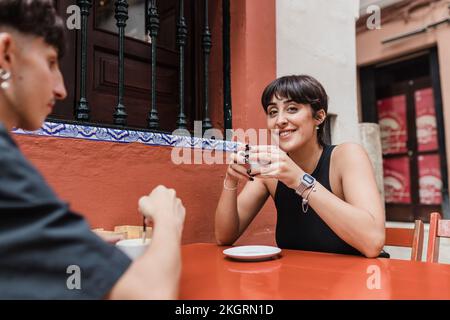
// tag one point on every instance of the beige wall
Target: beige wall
(317, 37)
(370, 50)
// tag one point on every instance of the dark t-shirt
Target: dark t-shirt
(40, 239)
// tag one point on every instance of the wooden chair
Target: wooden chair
(408, 238)
(438, 228)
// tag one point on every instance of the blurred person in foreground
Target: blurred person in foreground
(40, 237)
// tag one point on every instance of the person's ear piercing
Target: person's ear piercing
(317, 128)
(4, 85)
(4, 76)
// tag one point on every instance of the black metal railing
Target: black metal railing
(120, 114)
(181, 41)
(152, 25)
(206, 43)
(226, 47)
(153, 28)
(82, 108)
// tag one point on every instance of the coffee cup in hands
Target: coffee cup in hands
(243, 158)
(254, 165)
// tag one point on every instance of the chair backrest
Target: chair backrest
(408, 238)
(438, 228)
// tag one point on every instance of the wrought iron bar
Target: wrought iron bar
(120, 114)
(82, 109)
(146, 21)
(227, 106)
(153, 25)
(181, 41)
(207, 43)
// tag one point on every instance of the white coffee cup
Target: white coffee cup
(254, 165)
(133, 248)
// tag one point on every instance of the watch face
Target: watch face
(308, 179)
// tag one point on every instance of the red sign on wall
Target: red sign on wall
(393, 127)
(425, 120)
(397, 180)
(430, 181)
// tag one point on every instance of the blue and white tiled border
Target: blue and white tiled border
(77, 131)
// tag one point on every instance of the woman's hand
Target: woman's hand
(237, 170)
(274, 163)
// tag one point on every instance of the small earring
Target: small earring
(317, 128)
(4, 85)
(4, 75)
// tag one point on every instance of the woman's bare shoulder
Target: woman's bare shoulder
(350, 148)
(348, 154)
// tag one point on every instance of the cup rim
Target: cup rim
(137, 242)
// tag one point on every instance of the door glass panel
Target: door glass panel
(430, 181)
(393, 126)
(397, 180)
(105, 20)
(425, 120)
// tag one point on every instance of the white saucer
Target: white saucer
(252, 253)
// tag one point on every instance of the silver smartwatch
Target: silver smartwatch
(306, 181)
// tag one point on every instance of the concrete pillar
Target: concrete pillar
(370, 140)
(317, 37)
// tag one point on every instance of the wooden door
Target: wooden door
(411, 160)
(102, 64)
(404, 97)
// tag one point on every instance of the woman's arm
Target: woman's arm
(234, 213)
(360, 219)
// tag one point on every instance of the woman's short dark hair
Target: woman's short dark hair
(34, 17)
(301, 89)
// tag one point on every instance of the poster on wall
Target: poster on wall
(430, 181)
(426, 120)
(397, 180)
(393, 125)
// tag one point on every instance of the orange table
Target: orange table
(208, 274)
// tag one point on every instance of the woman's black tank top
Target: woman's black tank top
(307, 231)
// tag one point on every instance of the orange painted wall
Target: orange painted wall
(253, 59)
(253, 67)
(103, 180)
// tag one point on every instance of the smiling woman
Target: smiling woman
(293, 95)
(326, 196)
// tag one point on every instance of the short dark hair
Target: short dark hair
(301, 89)
(34, 17)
